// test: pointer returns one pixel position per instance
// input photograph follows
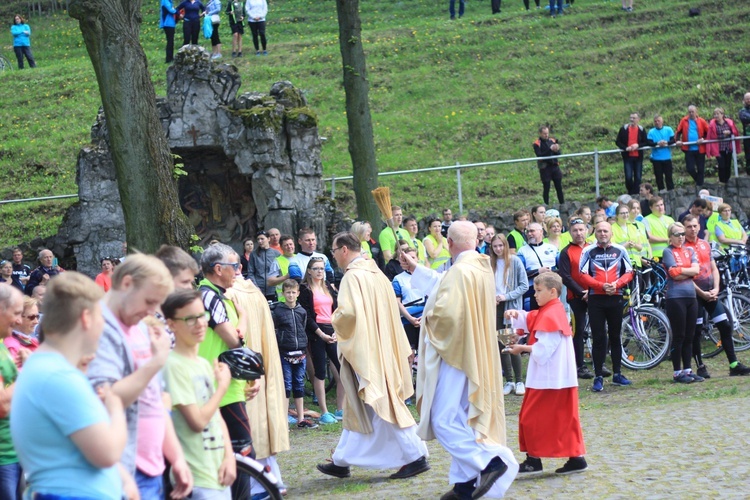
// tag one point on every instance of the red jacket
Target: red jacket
(681, 134)
(712, 149)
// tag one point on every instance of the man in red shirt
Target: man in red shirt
(707, 289)
(578, 294)
(630, 139)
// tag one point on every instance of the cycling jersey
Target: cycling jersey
(705, 278)
(600, 265)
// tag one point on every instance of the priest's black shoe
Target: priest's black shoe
(460, 491)
(416, 467)
(489, 475)
(334, 470)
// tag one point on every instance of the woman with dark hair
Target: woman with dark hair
(167, 22)
(435, 244)
(191, 24)
(722, 128)
(510, 285)
(318, 298)
(22, 41)
(248, 245)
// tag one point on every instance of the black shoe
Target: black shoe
(416, 467)
(703, 372)
(585, 373)
(489, 475)
(696, 378)
(573, 465)
(530, 467)
(460, 491)
(334, 470)
(739, 370)
(606, 372)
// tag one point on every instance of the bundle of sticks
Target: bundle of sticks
(382, 197)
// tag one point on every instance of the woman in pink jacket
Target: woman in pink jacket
(719, 128)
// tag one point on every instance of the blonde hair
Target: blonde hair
(68, 295)
(548, 221)
(505, 256)
(144, 269)
(359, 229)
(675, 225)
(550, 281)
(28, 303)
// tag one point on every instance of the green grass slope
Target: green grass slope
(442, 92)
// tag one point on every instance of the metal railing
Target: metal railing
(458, 168)
(595, 153)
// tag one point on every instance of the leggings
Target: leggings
(169, 33)
(579, 308)
(605, 317)
(258, 28)
(723, 322)
(320, 349)
(190, 31)
(215, 40)
(682, 314)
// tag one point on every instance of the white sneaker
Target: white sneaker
(508, 388)
(520, 389)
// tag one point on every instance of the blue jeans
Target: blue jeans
(150, 488)
(633, 171)
(552, 7)
(294, 377)
(9, 477)
(452, 8)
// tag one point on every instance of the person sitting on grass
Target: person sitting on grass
(548, 423)
(196, 389)
(290, 319)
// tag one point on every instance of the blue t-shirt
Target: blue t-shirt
(693, 134)
(663, 134)
(51, 401)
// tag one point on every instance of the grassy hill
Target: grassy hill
(442, 92)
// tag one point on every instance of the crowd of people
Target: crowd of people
(124, 370)
(193, 13)
(697, 138)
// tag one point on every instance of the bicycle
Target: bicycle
(5, 64)
(260, 476)
(646, 332)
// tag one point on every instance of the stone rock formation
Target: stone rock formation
(248, 161)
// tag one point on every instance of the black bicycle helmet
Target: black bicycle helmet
(244, 363)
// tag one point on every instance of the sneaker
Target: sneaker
(739, 370)
(508, 388)
(257, 52)
(619, 379)
(682, 378)
(327, 418)
(585, 373)
(409, 402)
(307, 424)
(520, 389)
(265, 52)
(572, 466)
(234, 54)
(239, 54)
(598, 384)
(339, 415)
(606, 372)
(489, 476)
(530, 467)
(696, 378)
(291, 420)
(315, 400)
(703, 372)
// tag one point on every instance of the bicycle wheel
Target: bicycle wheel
(5, 64)
(741, 322)
(710, 340)
(646, 338)
(262, 480)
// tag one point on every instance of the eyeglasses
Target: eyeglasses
(193, 320)
(235, 265)
(678, 235)
(32, 317)
(573, 222)
(333, 250)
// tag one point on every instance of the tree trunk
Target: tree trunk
(137, 142)
(361, 142)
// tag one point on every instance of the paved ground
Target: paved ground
(653, 440)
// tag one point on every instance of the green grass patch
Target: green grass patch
(441, 93)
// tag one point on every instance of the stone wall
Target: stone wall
(251, 162)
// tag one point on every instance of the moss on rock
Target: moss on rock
(303, 116)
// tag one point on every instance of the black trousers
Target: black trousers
(682, 314)
(258, 29)
(169, 34)
(496, 6)
(605, 318)
(24, 51)
(190, 31)
(695, 164)
(662, 172)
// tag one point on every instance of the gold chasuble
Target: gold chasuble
(373, 349)
(459, 324)
(267, 412)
